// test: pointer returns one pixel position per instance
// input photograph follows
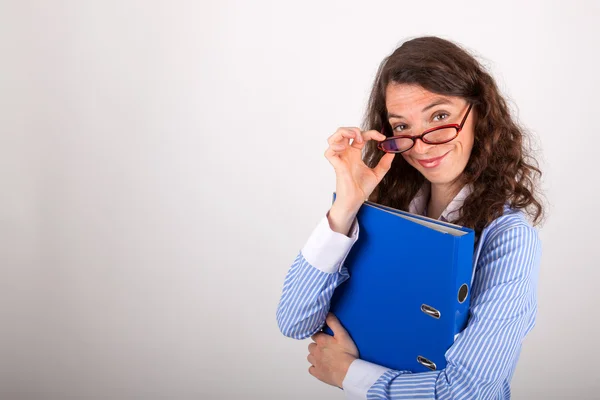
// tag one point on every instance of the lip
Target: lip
(432, 162)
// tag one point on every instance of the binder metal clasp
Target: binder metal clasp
(429, 364)
(430, 311)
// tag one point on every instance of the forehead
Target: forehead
(412, 98)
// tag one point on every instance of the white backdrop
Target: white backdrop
(161, 164)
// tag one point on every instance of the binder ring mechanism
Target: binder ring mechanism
(428, 363)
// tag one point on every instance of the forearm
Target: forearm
(311, 280)
(305, 298)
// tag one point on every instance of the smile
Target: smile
(432, 162)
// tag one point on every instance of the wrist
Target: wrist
(345, 211)
(340, 220)
(344, 369)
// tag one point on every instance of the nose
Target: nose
(420, 147)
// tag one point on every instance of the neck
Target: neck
(441, 195)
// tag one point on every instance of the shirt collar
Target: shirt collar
(418, 204)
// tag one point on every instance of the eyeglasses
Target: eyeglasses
(437, 135)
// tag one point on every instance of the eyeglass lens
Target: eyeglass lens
(436, 137)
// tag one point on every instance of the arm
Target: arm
(481, 362)
(309, 284)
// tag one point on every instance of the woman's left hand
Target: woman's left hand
(331, 356)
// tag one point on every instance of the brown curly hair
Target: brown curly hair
(500, 168)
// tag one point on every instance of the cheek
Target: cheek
(466, 147)
(461, 152)
(408, 159)
(468, 140)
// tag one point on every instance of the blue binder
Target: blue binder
(408, 294)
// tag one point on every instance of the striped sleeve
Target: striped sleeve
(481, 362)
(311, 280)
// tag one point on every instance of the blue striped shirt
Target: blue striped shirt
(482, 360)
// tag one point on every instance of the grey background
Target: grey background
(161, 164)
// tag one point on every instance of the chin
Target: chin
(438, 180)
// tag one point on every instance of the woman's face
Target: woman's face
(412, 110)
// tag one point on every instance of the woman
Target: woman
(478, 176)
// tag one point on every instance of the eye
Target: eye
(442, 114)
(402, 126)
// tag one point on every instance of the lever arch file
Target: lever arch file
(408, 294)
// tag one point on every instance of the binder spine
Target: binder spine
(462, 293)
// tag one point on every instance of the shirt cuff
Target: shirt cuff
(326, 249)
(360, 377)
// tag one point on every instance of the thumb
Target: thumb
(339, 332)
(384, 165)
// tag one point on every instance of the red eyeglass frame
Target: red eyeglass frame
(458, 128)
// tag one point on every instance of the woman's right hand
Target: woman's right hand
(355, 181)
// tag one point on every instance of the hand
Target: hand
(331, 356)
(355, 181)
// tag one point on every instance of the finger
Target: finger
(342, 138)
(312, 370)
(338, 147)
(374, 135)
(336, 326)
(312, 347)
(358, 133)
(320, 338)
(311, 359)
(333, 159)
(384, 165)
(342, 135)
(316, 336)
(369, 135)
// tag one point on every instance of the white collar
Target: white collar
(451, 213)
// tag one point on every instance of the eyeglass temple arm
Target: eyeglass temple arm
(466, 115)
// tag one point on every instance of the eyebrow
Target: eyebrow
(437, 102)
